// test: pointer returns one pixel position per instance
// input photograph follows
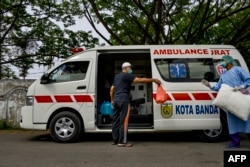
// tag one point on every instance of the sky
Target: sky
(81, 24)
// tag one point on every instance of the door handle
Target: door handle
(82, 87)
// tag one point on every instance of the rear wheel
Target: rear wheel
(65, 127)
(215, 135)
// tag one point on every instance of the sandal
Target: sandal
(125, 145)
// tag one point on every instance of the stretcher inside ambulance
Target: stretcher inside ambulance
(68, 98)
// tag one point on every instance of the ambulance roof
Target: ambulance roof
(132, 47)
(161, 48)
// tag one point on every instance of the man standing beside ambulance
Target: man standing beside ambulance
(237, 78)
(120, 98)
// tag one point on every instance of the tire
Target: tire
(65, 127)
(215, 135)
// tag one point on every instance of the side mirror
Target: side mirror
(45, 78)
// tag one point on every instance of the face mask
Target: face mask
(130, 71)
(223, 64)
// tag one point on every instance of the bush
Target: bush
(3, 125)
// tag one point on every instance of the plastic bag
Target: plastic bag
(106, 108)
(160, 95)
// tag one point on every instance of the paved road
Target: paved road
(36, 149)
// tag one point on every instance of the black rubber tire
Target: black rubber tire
(75, 124)
(220, 137)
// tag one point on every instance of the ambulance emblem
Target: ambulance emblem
(167, 110)
(220, 69)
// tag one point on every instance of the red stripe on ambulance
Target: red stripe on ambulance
(214, 94)
(83, 98)
(63, 98)
(181, 96)
(201, 96)
(43, 99)
(188, 97)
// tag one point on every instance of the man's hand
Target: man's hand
(112, 103)
(206, 83)
(157, 81)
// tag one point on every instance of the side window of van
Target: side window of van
(70, 71)
(185, 70)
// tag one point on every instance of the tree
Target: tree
(173, 21)
(30, 33)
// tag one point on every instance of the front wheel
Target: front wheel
(65, 127)
(215, 135)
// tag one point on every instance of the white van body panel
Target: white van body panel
(62, 95)
(189, 103)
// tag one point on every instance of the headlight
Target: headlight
(29, 100)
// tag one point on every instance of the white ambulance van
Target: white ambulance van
(67, 98)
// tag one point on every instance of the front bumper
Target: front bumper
(26, 120)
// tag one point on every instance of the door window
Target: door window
(70, 71)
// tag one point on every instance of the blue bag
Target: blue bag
(106, 108)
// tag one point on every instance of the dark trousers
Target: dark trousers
(248, 136)
(120, 122)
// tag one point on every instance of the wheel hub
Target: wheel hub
(65, 127)
(213, 132)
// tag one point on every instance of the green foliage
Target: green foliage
(3, 125)
(30, 33)
(173, 21)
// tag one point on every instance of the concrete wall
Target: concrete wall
(12, 98)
